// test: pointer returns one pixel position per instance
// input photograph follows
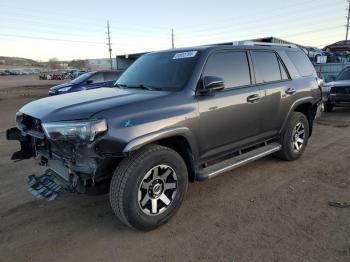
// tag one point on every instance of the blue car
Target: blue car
(90, 80)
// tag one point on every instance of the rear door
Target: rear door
(274, 81)
(230, 117)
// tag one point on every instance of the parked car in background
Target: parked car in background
(313, 53)
(338, 46)
(90, 80)
(337, 93)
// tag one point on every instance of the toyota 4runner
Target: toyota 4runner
(174, 116)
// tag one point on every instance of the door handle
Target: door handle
(290, 91)
(253, 98)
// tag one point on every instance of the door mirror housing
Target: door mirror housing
(89, 82)
(212, 83)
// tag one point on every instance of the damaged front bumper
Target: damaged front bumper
(72, 168)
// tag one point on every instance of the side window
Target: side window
(283, 71)
(97, 78)
(110, 76)
(266, 67)
(301, 62)
(233, 67)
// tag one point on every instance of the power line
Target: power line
(233, 20)
(73, 17)
(278, 21)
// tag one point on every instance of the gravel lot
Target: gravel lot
(27, 80)
(267, 211)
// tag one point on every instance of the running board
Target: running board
(237, 161)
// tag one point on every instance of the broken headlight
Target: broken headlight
(83, 131)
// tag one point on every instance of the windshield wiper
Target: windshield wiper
(140, 86)
(119, 85)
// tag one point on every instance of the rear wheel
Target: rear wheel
(295, 137)
(148, 187)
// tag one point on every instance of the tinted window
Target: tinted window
(266, 67)
(344, 75)
(96, 78)
(164, 70)
(82, 78)
(231, 66)
(110, 76)
(301, 63)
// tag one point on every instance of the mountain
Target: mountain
(17, 61)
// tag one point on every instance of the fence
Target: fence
(330, 70)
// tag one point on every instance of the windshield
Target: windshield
(344, 75)
(168, 71)
(81, 78)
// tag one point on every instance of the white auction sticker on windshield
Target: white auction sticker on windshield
(185, 55)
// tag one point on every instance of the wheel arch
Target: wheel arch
(178, 139)
(305, 106)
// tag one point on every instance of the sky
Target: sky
(40, 30)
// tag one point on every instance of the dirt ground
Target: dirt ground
(269, 210)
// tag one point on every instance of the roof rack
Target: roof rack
(251, 43)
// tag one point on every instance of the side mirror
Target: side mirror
(212, 83)
(89, 82)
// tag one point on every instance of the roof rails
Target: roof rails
(251, 43)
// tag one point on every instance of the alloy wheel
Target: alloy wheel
(298, 137)
(157, 190)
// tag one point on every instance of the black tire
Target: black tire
(328, 107)
(130, 175)
(289, 151)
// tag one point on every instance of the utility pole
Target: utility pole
(109, 44)
(172, 38)
(347, 25)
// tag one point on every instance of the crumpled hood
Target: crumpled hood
(83, 105)
(54, 88)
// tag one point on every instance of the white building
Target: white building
(101, 64)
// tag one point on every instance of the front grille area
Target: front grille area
(342, 90)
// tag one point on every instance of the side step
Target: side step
(237, 161)
(44, 187)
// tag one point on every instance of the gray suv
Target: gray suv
(174, 116)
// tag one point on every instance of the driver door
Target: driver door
(229, 118)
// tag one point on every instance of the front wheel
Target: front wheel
(148, 187)
(295, 137)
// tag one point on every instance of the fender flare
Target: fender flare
(296, 103)
(143, 140)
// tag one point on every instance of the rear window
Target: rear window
(266, 66)
(301, 63)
